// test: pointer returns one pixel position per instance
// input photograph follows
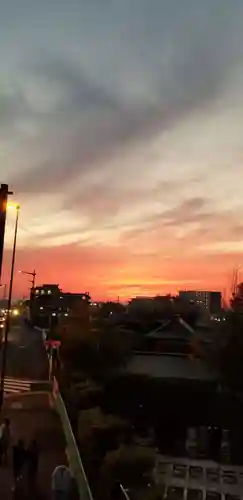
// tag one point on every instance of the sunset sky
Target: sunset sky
(121, 135)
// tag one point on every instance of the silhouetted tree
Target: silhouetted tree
(227, 352)
(103, 350)
(128, 465)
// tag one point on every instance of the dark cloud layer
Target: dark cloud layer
(185, 55)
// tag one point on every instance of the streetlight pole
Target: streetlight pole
(4, 192)
(33, 274)
(7, 324)
(31, 299)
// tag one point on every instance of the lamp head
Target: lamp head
(13, 206)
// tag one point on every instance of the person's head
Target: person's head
(61, 469)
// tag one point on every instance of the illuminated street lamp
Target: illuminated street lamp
(7, 323)
(15, 312)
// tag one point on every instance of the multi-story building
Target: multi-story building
(211, 301)
(49, 302)
(149, 304)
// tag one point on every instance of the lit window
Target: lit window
(49, 292)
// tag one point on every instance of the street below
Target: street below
(26, 357)
(31, 413)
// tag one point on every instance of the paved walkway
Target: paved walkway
(32, 415)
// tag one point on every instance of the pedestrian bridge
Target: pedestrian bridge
(42, 413)
(73, 455)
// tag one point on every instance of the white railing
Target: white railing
(74, 458)
(73, 454)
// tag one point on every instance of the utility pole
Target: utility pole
(33, 285)
(4, 192)
(32, 281)
(7, 324)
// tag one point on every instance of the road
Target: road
(31, 415)
(26, 357)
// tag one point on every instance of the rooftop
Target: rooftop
(172, 328)
(166, 366)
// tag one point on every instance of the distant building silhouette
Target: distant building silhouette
(49, 303)
(210, 301)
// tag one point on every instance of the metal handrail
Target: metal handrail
(124, 492)
(76, 465)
